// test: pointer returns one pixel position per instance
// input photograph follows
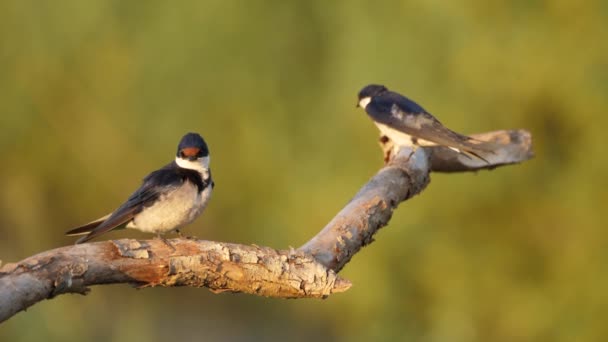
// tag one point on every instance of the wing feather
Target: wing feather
(143, 197)
(88, 227)
(402, 114)
(155, 184)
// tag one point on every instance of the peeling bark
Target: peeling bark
(221, 267)
(308, 272)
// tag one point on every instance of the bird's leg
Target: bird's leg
(414, 148)
(165, 241)
(387, 147)
(182, 236)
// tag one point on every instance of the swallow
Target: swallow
(406, 123)
(168, 199)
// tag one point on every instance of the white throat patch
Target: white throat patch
(201, 165)
(364, 102)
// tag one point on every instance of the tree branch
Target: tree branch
(403, 177)
(308, 272)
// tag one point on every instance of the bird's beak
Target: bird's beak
(357, 106)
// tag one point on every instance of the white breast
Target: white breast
(397, 137)
(173, 210)
(402, 139)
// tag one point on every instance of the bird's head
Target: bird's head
(369, 91)
(192, 153)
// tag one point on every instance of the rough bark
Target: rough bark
(308, 272)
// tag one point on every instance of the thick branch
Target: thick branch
(309, 272)
(370, 209)
(219, 266)
(403, 177)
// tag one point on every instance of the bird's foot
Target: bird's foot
(182, 236)
(165, 241)
(387, 157)
(411, 153)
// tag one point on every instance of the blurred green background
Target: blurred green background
(95, 94)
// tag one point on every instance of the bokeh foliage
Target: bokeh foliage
(95, 94)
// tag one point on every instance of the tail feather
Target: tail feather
(104, 227)
(471, 152)
(469, 149)
(87, 228)
(475, 149)
(484, 146)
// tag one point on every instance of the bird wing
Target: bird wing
(88, 227)
(408, 117)
(141, 198)
(424, 126)
(153, 186)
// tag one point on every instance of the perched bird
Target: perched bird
(168, 199)
(406, 123)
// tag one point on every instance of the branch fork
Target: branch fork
(310, 271)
